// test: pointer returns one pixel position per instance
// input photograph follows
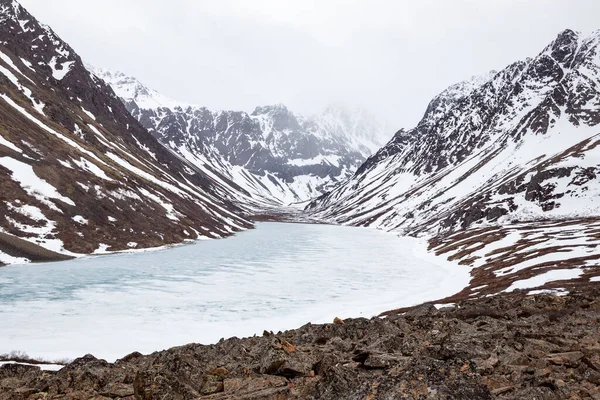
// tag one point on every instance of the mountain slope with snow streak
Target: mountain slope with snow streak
(274, 154)
(78, 173)
(511, 148)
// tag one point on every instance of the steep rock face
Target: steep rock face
(77, 172)
(276, 155)
(517, 145)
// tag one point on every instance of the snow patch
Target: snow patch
(10, 145)
(59, 71)
(80, 220)
(546, 277)
(32, 184)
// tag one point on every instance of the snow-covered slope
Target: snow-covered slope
(510, 148)
(274, 154)
(78, 174)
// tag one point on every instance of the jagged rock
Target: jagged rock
(212, 384)
(454, 353)
(570, 359)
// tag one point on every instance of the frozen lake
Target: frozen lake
(276, 277)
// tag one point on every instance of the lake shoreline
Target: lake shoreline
(510, 346)
(200, 292)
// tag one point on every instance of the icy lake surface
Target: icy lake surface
(276, 277)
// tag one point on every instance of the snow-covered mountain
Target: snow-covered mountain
(501, 164)
(78, 174)
(273, 153)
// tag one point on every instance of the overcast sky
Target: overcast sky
(389, 56)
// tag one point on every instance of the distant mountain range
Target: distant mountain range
(273, 153)
(85, 170)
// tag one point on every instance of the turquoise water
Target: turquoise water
(278, 276)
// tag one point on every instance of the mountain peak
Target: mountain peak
(565, 45)
(129, 88)
(68, 148)
(568, 34)
(355, 123)
(10, 8)
(487, 149)
(271, 109)
(454, 93)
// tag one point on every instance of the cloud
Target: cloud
(390, 56)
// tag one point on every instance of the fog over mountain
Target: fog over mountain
(387, 56)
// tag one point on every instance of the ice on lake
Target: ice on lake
(276, 277)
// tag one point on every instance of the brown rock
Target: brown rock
(220, 372)
(399, 356)
(570, 359)
(211, 385)
(287, 347)
(503, 390)
(118, 390)
(253, 384)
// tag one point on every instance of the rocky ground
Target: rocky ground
(510, 346)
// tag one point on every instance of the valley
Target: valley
(458, 258)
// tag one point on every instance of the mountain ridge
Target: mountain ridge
(487, 117)
(74, 164)
(502, 178)
(272, 152)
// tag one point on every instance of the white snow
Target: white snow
(321, 159)
(39, 106)
(444, 305)
(89, 114)
(170, 209)
(554, 292)
(32, 184)
(59, 71)
(67, 140)
(27, 64)
(11, 64)
(8, 259)
(43, 230)
(10, 145)
(43, 367)
(80, 220)
(102, 249)
(65, 164)
(27, 210)
(89, 166)
(126, 87)
(542, 279)
(200, 292)
(595, 279)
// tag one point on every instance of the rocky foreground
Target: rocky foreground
(510, 346)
